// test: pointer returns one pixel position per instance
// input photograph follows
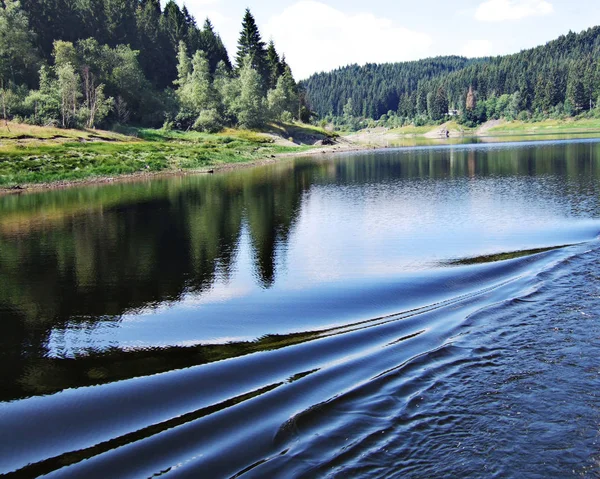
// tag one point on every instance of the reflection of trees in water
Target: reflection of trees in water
(102, 262)
(71, 258)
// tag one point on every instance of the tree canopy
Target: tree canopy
(559, 78)
(100, 62)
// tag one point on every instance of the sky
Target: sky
(321, 35)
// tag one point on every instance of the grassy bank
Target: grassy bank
(30, 155)
(36, 155)
(546, 127)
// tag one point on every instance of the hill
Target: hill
(561, 77)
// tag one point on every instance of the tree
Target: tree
(471, 103)
(250, 106)
(227, 87)
(575, 90)
(275, 66)
(121, 21)
(283, 99)
(212, 45)
(421, 100)
(18, 60)
(438, 104)
(250, 46)
(96, 106)
(68, 86)
(63, 53)
(349, 108)
(198, 100)
(184, 65)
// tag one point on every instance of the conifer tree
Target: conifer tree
(121, 22)
(213, 46)
(276, 68)
(421, 99)
(575, 90)
(251, 46)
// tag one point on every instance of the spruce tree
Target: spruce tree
(250, 46)
(276, 68)
(421, 99)
(213, 46)
(575, 90)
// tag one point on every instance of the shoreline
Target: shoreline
(344, 146)
(220, 168)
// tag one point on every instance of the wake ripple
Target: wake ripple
(348, 400)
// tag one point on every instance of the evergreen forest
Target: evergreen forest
(560, 79)
(88, 63)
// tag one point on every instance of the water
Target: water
(424, 312)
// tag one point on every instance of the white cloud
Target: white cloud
(316, 37)
(477, 49)
(502, 10)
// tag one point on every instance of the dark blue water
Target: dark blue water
(427, 312)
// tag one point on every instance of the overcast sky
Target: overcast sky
(320, 35)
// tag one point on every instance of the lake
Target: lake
(408, 312)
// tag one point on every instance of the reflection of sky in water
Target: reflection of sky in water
(353, 252)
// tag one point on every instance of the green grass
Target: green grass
(43, 158)
(412, 130)
(584, 125)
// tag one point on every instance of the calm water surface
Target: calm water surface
(424, 312)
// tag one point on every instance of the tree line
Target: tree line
(559, 79)
(143, 64)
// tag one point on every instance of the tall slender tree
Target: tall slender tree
(276, 68)
(251, 48)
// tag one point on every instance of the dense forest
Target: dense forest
(90, 63)
(559, 79)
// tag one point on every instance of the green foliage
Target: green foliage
(560, 78)
(199, 103)
(18, 59)
(144, 65)
(283, 99)
(68, 88)
(251, 48)
(153, 151)
(250, 106)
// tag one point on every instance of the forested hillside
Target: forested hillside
(99, 62)
(561, 78)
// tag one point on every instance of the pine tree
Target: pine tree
(276, 68)
(575, 90)
(213, 46)
(121, 22)
(441, 104)
(250, 46)
(154, 59)
(421, 99)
